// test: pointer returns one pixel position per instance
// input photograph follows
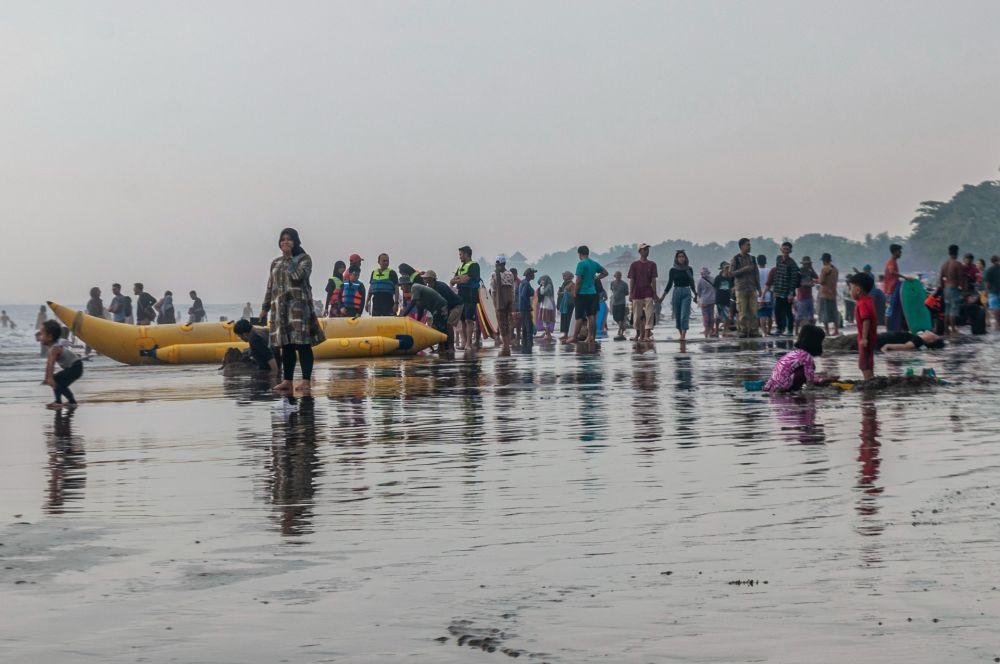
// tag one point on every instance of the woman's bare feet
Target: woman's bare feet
(305, 388)
(55, 405)
(284, 387)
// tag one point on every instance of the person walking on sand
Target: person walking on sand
(829, 275)
(247, 311)
(784, 283)
(588, 273)
(747, 288)
(467, 278)
(288, 307)
(681, 279)
(642, 291)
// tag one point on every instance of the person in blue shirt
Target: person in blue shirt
(525, 310)
(588, 273)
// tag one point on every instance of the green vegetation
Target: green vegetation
(971, 219)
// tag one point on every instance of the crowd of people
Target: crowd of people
(146, 309)
(745, 298)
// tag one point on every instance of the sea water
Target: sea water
(561, 505)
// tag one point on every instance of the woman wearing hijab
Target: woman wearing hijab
(288, 306)
(681, 277)
(706, 293)
(546, 306)
(165, 314)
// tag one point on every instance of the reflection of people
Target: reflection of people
(67, 463)
(868, 453)
(797, 414)
(294, 462)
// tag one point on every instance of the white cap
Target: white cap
(501, 259)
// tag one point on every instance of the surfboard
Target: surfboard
(912, 295)
(487, 314)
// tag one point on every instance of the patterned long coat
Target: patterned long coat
(289, 304)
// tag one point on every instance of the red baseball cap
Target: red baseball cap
(355, 259)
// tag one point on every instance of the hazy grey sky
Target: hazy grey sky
(169, 142)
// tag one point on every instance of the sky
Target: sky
(169, 142)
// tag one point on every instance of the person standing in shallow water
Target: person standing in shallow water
(746, 288)
(588, 273)
(894, 321)
(829, 275)
(546, 306)
(785, 281)
(288, 307)
(681, 279)
(642, 291)
(567, 301)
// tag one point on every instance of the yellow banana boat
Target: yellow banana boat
(133, 344)
(331, 349)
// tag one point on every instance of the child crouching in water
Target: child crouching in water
(57, 351)
(797, 368)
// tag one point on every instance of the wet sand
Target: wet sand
(561, 506)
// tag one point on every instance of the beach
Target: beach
(562, 505)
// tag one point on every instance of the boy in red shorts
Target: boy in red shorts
(864, 315)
